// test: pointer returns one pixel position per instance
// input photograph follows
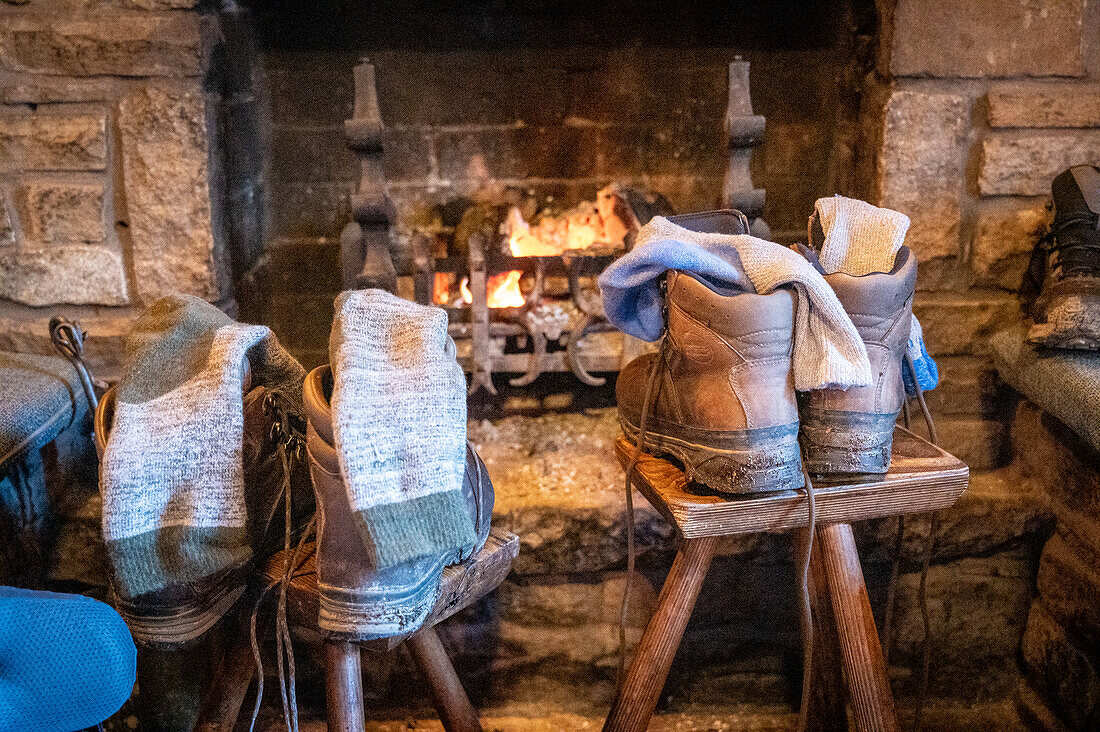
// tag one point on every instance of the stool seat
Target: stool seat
(461, 584)
(922, 477)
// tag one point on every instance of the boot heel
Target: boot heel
(746, 461)
(847, 442)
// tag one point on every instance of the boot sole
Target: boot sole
(1068, 318)
(847, 443)
(354, 615)
(760, 460)
(181, 624)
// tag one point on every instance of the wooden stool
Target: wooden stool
(922, 478)
(462, 585)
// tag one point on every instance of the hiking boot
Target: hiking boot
(357, 601)
(1061, 291)
(181, 613)
(723, 400)
(851, 431)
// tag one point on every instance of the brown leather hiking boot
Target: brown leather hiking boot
(852, 430)
(723, 399)
(179, 614)
(357, 601)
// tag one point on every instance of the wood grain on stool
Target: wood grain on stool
(451, 701)
(864, 668)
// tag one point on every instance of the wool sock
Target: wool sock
(859, 238)
(172, 478)
(399, 423)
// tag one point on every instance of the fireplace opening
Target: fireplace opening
(519, 147)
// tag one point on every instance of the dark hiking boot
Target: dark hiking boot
(723, 400)
(851, 431)
(1061, 291)
(357, 601)
(181, 613)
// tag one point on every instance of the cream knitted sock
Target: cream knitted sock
(859, 238)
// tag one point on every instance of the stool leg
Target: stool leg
(642, 684)
(222, 704)
(450, 698)
(827, 709)
(861, 654)
(344, 682)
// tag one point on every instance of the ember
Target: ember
(607, 223)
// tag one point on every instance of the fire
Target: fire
(503, 290)
(579, 228)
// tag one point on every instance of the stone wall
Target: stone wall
(110, 178)
(976, 107)
(1061, 644)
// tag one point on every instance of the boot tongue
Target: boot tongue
(857, 238)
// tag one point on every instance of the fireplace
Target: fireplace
(215, 149)
(516, 276)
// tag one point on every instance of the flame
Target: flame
(503, 290)
(522, 241)
(441, 289)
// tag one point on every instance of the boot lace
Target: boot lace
(290, 446)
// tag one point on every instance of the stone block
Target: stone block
(992, 38)
(61, 212)
(1059, 670)
(922, 165)
(978, 607)
(1069, 586)
(1006, 234)
(26, 331)
(560, 488)
(980, 443)
(53, 142)
(165, 176)
(77, 274)
(303, 210)
(125, 45)
(52, 90)
(969, 387)
(1025, 164)
(1038, 104)
(1067, 468)
(312, 155)
(1000, 509)
(958, 324)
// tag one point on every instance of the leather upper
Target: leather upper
(728, 365)
(342, 561)
(880, 305)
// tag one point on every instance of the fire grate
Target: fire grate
(555, 323)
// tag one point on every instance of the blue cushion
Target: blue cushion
(67, 662)
(1063, 383)
(41, 396)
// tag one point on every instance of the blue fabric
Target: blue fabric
(66, 661)
(928, 375)
(631, 287)
(1063, 383)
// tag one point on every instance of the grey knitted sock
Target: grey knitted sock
(399, 422)
(174, 504)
